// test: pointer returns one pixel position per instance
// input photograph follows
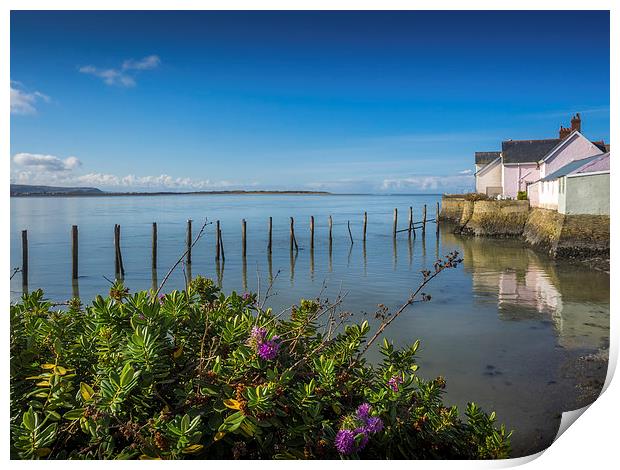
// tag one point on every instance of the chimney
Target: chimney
(575, 123)
(564, 132)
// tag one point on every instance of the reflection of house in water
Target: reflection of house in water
(524, 285)
(533, 290)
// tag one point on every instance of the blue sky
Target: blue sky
(338, 101)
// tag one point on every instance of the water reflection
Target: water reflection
(529, 286)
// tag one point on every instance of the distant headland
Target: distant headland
(27, 190)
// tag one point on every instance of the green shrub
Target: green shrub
(522, 196)
(197, 374)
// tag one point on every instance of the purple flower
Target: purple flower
(258, 334)
(374, 425)
(394, 382)
(268, 349)
(363, 410)
(345, 441)
(246, 296)
(162, 297)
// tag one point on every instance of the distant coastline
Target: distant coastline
(23, 190)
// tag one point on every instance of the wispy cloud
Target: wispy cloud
(428, 183)
(149, 62)
(407, 184)
(567, 113)
(465, 172)
(23, 101)
(123, 76)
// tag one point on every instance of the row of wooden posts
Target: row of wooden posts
(119, 268)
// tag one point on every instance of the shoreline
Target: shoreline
(173, 193)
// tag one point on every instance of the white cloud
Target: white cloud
(23, 102)
(465, 172)
(29, 168)
(149, 62)
(123, 76)
(46, 163)
(427, 183)
(109, 76)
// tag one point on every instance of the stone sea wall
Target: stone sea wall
(497, 218)
(566, 236)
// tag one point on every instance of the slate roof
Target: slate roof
(482, 158)
(527, 151)
(602, 146)
(571, 167)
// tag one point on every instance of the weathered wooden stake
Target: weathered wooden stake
(119, 255)
(437, 217)
(293, 240)
(424, 221)
(395, 222)
(154, 247)
(349, 227)
(189, 241)
(269, 245)
(221, 244)
(217, 240)
(243, 242)
(365, 224)
(117, 266)
(330, 222)
(74, 252)
(410, 220)
(25, 257)
(312, 232)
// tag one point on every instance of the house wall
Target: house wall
(587, 194)
(548, 196)
(516, 177)
(533, 193)
(579, 147)
(489, 182)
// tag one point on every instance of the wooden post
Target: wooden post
(269, 245)
(189, 241)
(395, 222)
(312, 232)
(74, 252)
(120, 269)
(117, 266)
(424, 221)
(243, 233)
(219, 231)
(349, 227)
(330, 222)
(437, 217)
(154, 247)
(217, 240)
(25, 257)
(293, 240)
(410, 220)
(365, 224)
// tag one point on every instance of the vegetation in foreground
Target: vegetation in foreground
(197, 374)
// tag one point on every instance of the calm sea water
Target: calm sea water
(502, 327)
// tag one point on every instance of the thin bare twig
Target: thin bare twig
(202, 229)
(451, 262)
